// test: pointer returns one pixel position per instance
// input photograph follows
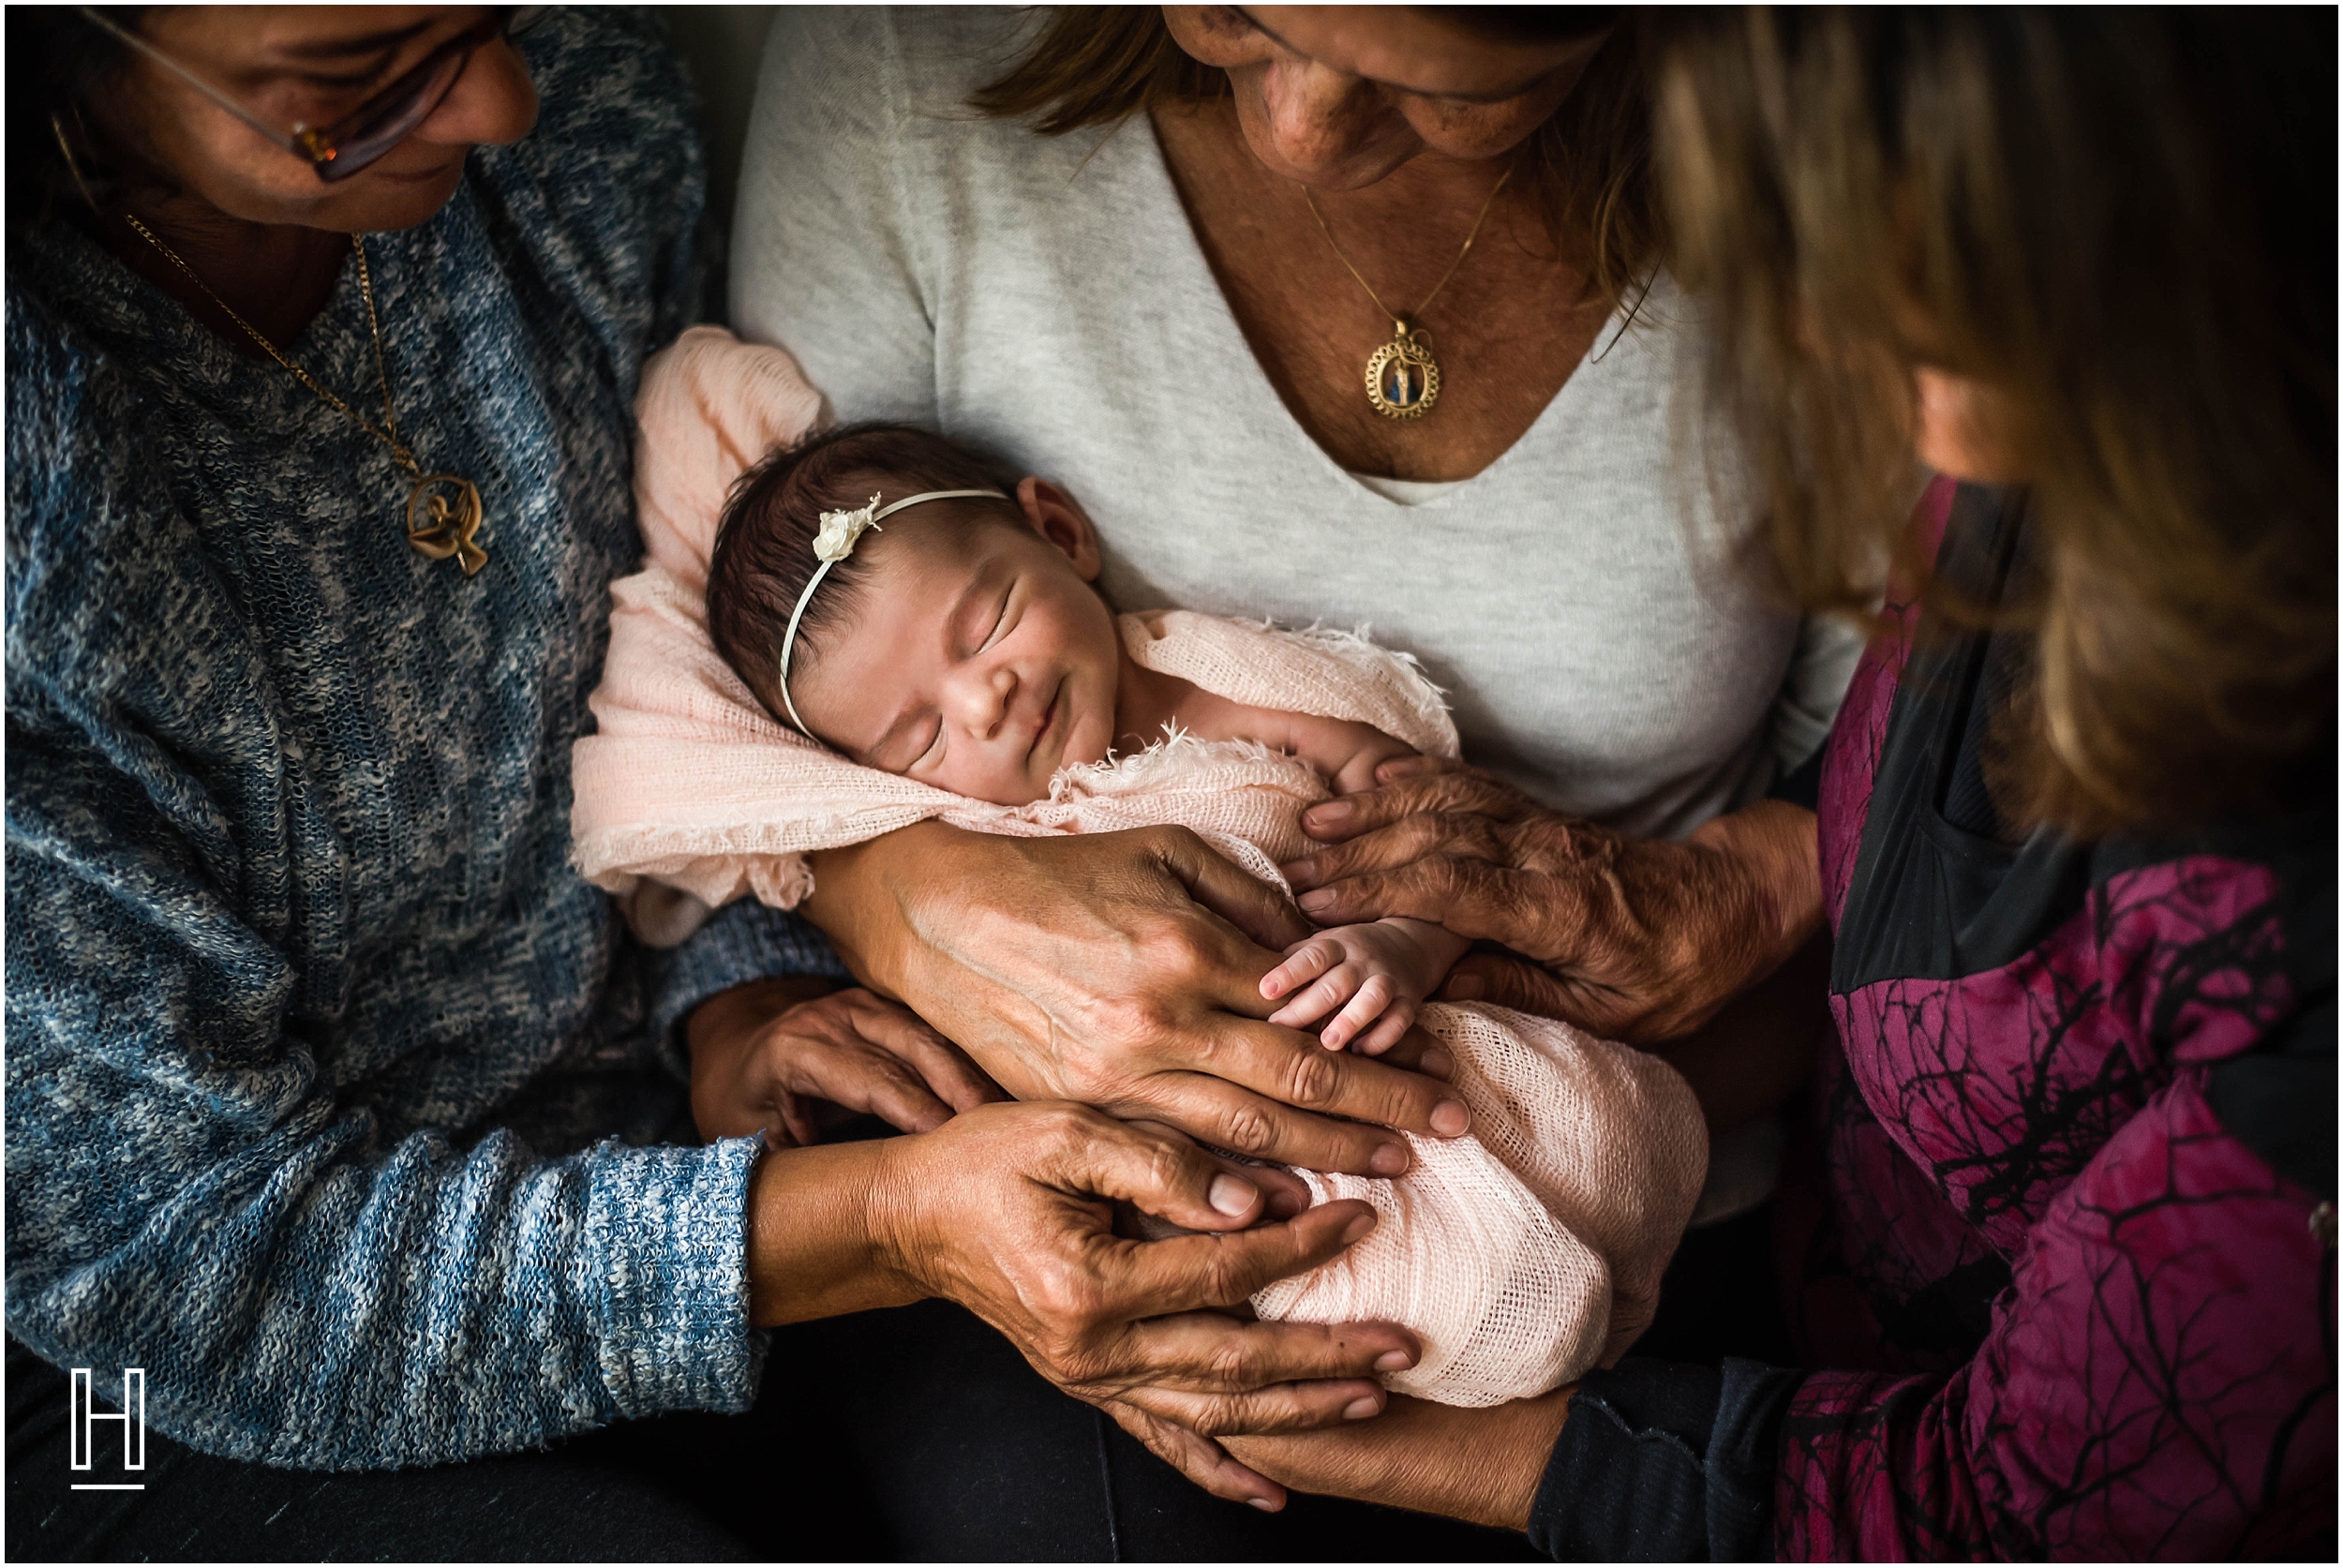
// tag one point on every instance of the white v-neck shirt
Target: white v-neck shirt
(1047, 301)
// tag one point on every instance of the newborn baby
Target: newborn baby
(960, 643)
(878, 591)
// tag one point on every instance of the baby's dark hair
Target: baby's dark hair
(763, 552)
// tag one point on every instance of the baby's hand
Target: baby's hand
(1356, 773)
(1377, 974)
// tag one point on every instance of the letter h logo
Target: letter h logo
(82, 1439)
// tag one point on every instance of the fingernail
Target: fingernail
(1388, 1160)
(1438, 1063)
(1315, 901)
(1262, 1504)
(1285, 1206)
(1232, 1197)
(1358, 1227)
(1394, 1361)
(1360, 1408)
(1301, 871)
(1450, 1119)
(1466, 987)
(1332, 812)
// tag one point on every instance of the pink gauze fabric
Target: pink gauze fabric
(1522, 1255)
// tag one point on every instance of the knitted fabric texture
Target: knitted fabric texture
(332, 1093)
(1521, 1254)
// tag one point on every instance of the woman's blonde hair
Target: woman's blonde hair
(2123, 224)
(1589, 165)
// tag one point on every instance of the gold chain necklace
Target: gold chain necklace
(442, 509)
(1402, 377)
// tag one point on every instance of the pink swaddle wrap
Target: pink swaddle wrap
(1521, 1254)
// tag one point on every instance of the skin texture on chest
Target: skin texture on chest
(1312, 327)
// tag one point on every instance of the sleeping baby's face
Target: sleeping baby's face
(975, 657)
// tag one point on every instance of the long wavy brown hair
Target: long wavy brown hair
(1588, 166)
(2122, 223)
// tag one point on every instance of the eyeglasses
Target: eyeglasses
(359, 138)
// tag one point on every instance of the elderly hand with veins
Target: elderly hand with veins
(1637, 939)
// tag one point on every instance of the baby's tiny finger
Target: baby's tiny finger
(1309, 960)
(1367, 1006)
(1304, 1010)
(1330, 990)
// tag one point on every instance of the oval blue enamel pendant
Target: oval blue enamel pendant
(1402, 377)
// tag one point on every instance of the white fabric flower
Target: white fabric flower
(841, 529)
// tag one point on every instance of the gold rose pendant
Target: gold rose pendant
(443, 519)
(1402, 377)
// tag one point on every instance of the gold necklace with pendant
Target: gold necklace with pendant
(442, 509)
(1402, 377)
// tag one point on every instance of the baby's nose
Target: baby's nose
(981, 701)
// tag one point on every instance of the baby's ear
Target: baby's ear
(1057, 518)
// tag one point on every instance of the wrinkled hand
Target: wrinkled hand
(1637, 939)
(767, 1055)
(1008, 1211)
(1482, 1465)
(1120, 970)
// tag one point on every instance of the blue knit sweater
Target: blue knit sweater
(311, 1031)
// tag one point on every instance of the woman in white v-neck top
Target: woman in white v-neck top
(1047, 298)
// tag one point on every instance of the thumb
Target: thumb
(1261, 913)
(1512, 982)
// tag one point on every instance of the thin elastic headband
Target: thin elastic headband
(841, 532)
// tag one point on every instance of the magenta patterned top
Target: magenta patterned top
(2063, 1232)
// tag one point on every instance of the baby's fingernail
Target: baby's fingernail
(1466, 987)
(1394, 1361)
(1450, 1119)
(1230, 1196)
(1438, 1063)
(1360, 1408)
(1329, 814)
(1315, 901)
(1388, 1160)
(1358, 1227)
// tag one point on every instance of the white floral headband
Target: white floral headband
(841, 532)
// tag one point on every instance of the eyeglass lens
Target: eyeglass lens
(383, 121)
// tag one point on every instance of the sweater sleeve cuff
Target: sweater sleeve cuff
(1661, 1461)
(666, 1240)
(745, 941)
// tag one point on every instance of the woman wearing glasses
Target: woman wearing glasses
(321, 361)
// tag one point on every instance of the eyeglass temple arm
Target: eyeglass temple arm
(290, 142)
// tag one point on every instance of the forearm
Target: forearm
(858, 904)
(812, 1251)
(296, 1305)
(1771, 847)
